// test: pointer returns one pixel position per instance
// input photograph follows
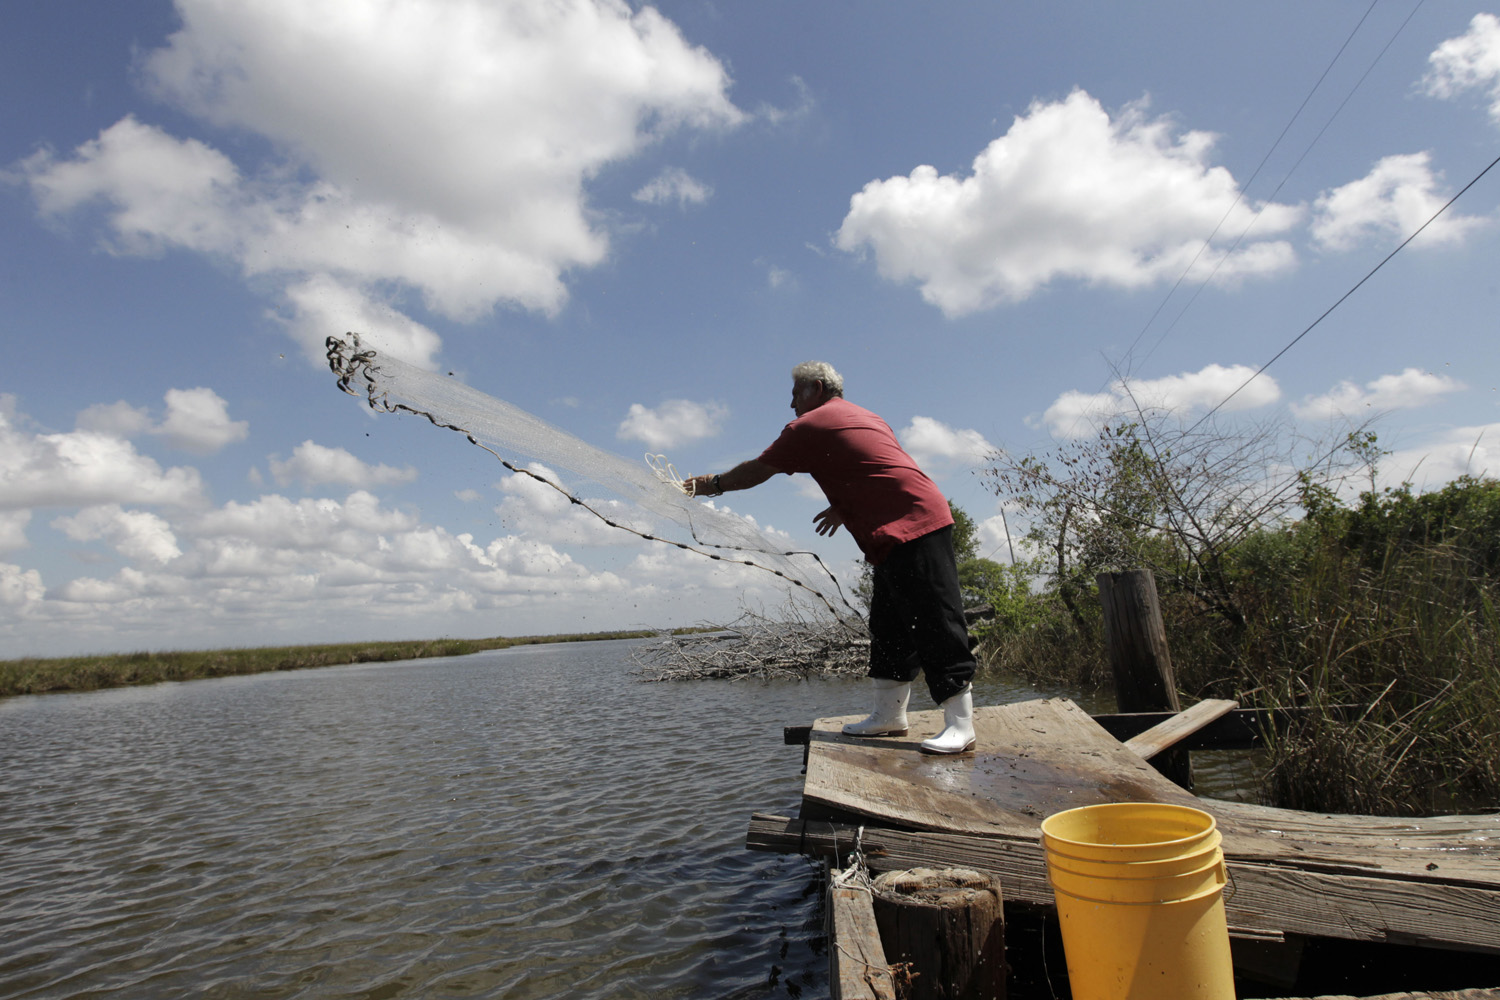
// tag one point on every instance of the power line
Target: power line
(1126, 361)
(1246, 186)
(1290, 171)
(1346, 295)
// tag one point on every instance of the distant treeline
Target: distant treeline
(88, 673)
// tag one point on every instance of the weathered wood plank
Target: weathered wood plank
(1263, 900)
(1039, 757)
(1457, 849)
(1031, 759)
(859, 969)
(1179, 727)
(1242, 729)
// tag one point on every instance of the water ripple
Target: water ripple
(530, 823)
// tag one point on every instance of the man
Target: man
(905, 529)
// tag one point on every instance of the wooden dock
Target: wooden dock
(1293, 876)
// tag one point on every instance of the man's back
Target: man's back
(883, 497)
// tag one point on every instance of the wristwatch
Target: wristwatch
(718, 485)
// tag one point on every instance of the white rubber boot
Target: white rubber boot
(958, 725)
(889, 717)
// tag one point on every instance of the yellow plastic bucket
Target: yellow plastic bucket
(1139, 897)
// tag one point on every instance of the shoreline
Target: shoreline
(39, 675)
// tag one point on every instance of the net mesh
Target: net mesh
(656, 508)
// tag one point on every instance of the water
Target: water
(533, 822)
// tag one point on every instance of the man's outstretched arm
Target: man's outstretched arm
(742, 477)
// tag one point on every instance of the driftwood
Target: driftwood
(755, 646)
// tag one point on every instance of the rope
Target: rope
(666, 472)
(855, 875)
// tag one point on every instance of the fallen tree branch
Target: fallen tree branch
(755, 646)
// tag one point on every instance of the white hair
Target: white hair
(820, 371)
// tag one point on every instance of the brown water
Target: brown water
(532, 822)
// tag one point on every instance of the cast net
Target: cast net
(645, 498)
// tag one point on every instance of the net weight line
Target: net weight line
(357, 372)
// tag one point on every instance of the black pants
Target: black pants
(917, 617)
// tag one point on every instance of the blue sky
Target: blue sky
(632, 221)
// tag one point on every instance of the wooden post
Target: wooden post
(944, 930)
(1138, 656)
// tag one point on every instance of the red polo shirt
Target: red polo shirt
(868, 478)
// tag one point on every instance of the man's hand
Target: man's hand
(699, 486)
(828, 521)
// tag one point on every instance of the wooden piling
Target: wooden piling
(948, 927)
(1139, 660)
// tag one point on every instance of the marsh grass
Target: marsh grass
(88, 673)
(1393, 603)
(1413, 636)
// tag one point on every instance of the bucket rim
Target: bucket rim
(1186, 852)
(1107, 807)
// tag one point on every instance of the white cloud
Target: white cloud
(313, 463)
(777, 277)
(1077, 414)
(1001, 535)
(19, 587)
(279, 569)
(525, 100)
(807, 487)
(13, 529)
(197, 420)
(276, 522)
(533, 509)
(1066, 193)
(136, 534)
(674, 422)
(115, 419)
(1410, 389)
(936, 445)
(1468, 62)
(1473, 451)
(674, 185)
(1387, 205)
(260, 566)
(322, 306)
(162, 192)
(81, 468)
